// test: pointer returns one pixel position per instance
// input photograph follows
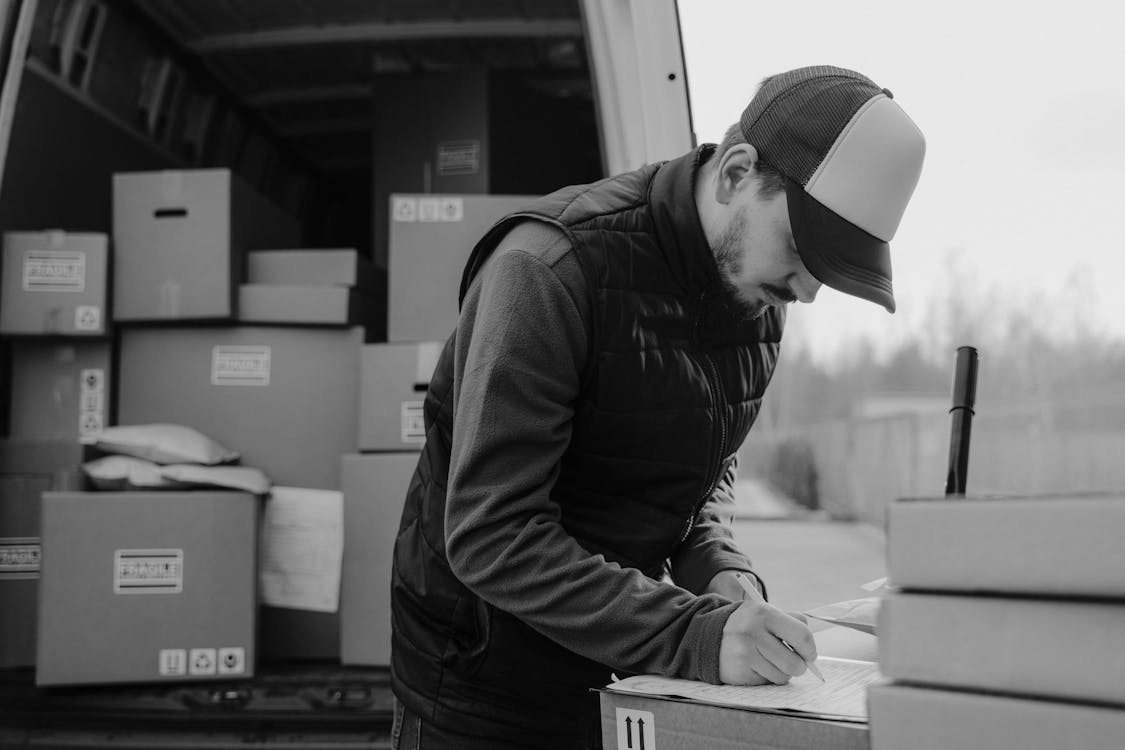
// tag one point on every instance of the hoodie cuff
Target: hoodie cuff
(709, 637)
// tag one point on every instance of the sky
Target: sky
(1022, 193)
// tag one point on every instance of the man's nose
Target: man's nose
(804, 287)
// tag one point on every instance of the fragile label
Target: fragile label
(413, 422)
(458, 157)
(19, 557)
(240, 365)
(54, 271)
(148, 571)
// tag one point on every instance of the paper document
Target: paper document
(842, 697)
(858, 614)
(302, 549)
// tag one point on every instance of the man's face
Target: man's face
(756, 254)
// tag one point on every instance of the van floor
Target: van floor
(297, 707)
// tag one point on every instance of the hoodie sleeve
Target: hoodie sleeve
(521, 348)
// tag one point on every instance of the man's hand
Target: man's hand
(752, 652)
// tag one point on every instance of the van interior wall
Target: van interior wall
(61, 159)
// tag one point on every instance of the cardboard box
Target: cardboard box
(27, 469)
(61, 389)
(630, 722)
(147, 587)
(929, 719)
(285, 398)
(431, 237)
(1005, 644)
(180, 242)
(392, 390)
(1063, 545)
(54, 282)
(310, 305)
(333, 266)
(374, 492)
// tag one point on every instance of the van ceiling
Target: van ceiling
(307, 65)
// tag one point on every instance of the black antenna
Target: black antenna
(964, 397)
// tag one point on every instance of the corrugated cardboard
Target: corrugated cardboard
(310, 305)
(147, 587)
(180, 242)
(27, 468)
(672, 724)
(927, 719)
(374, 491)
(431, 237)
(334, 266)
(285, 398)
(393, 386)
(55, 282)
(1006, 644)
(61, 389)
(1050, 544)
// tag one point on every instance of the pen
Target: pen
(749, 589)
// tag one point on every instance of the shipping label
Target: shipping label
(19, 558)
(413, 422)
(240, 365)
(148, 571)
(54, 271)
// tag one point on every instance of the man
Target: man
(569, 516)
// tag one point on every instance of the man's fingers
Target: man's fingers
(766, 667)
(781, 657)
(794, 632)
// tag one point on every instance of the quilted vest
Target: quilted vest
(673, 383)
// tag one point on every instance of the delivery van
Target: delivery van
(233, 234)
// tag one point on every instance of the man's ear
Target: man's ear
(734, 171)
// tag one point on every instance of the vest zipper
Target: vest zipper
(715, 384)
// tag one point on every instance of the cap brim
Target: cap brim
(838, 253)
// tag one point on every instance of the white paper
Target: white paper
(858, 614)
(302, 549)
(843, 695)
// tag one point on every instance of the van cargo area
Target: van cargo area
(247, 222)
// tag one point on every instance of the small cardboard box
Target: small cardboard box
(54, 282)
(306, 304)
(630, 722)
(180, 242)
(392, 391)
(147, 587)
(332, 266)
(283, 397)
(431, 238)
(60, 388)
(374, 490)
(27, 469)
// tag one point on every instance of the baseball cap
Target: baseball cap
(851, 158)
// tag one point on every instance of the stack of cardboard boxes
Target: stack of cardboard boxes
(222, 323)
(1006, 628)
(431, 237)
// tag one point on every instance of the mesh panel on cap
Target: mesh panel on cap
(797, 116)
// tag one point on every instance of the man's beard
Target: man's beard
(728, 257)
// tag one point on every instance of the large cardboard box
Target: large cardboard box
(27, 469)
(431, 238)
(630, 722)
(61, 388)
(393, 384)
(374, 491)
(285, 398)
(920, 718)
(147, 587)
(180, 242)
(54, 282)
